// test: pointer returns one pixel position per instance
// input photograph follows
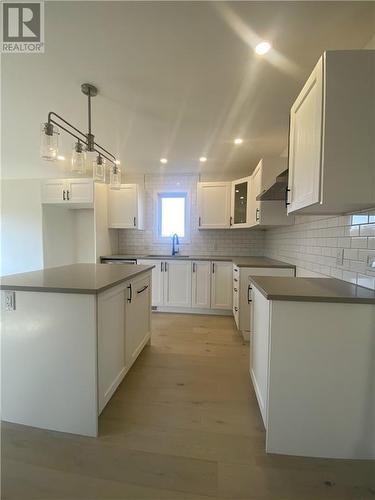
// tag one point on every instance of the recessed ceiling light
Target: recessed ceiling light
(60, 157)
(262, 48)
(163, 160)
(202, 159)
(238, 141)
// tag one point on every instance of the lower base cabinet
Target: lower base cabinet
(221, 280)
(242, 292)
(185, 284)
(124, 328)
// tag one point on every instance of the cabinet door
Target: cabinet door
(259, 349)
(111, 343)
(122, 207)
(221, 285)
(201, 284)
(256, 178)
(240, 200)
(305, 146)
(214, 205)
(79, 190)
(53, 191)
(157, 280)
(137, 317)
(177, 283)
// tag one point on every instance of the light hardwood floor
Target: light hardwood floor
(184, 424)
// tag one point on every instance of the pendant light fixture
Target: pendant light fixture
(84, 143)
(78, 158)
(49, 141)
(98, 168)
(115, 177)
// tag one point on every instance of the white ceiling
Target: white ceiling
(176, 79)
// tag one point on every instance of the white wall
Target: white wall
(21, 226)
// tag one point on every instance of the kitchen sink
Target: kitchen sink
(169, 256)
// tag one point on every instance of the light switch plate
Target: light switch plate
(340, 257)
(10, 300)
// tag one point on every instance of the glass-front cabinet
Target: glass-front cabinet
(240, 202)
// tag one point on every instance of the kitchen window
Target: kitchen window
(172, 215)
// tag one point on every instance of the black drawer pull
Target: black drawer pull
(142, 289)
(249, 288)
(130, 295)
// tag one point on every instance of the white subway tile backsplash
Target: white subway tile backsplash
(312, 244)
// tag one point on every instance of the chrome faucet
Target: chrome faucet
(175, 241)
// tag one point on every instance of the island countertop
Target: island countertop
(239, 261)
(312, 290)
(74, 278)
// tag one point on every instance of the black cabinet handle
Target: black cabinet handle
(161, 267)
(249, 288)
(64, 195)
(166, 267)
(257, 214)
(193, 267)
(213, 268)
(231, 221)
(286, 196)
(135, 221)
(199, 221)
(67, 194)
(142, 289)
(130, 294)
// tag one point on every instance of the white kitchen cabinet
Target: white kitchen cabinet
(259, 350)
(242, 292)
(68, 191)
(331, 140)
(177, 283)
(157, 279)
(221, 285)
(124, 328)
(201, 284)
(214, 205)
(298, 364)
(266, 213)
(126, 207)
(137, 317)
(240, 203)
(111, 342)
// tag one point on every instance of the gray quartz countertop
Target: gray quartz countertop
(312, 290)
(75, 278)
(240, 261)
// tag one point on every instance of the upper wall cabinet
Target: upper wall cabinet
(214, 205)
(240, 203)
(331, 141)
(68, 191)
(267, 213)
(126, 207)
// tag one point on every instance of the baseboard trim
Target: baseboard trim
(186, 310)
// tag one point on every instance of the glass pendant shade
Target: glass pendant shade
(49, 141)
(79, 159)
(115, 178)
(98, 169)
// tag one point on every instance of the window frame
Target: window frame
(170, 193)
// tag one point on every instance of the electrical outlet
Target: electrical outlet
(340, 257)
(371, 262)
(10, 301)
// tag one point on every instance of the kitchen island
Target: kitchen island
(69, 336)
(312, 365)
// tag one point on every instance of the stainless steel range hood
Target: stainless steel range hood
(276, 190)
